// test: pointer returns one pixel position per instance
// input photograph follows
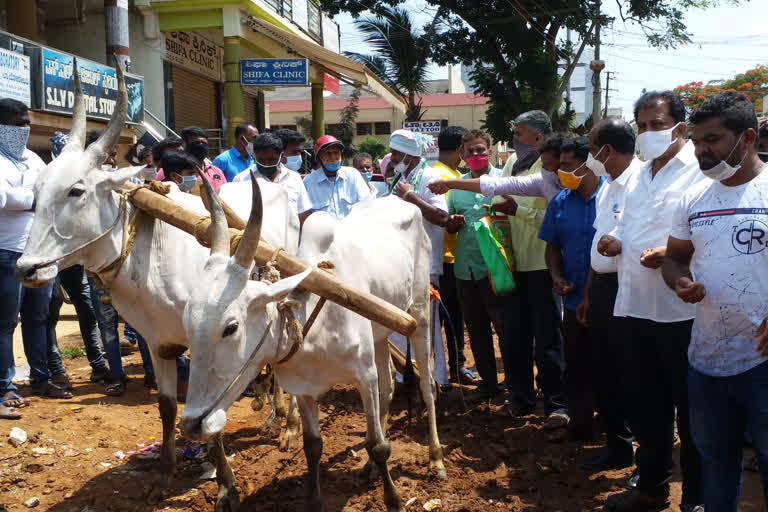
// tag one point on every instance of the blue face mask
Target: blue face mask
(334, 167)
(293, 162)
(367, 176)
(187, 183)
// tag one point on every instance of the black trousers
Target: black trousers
(609, 346)
(481, 308)
(533, 330)
(657, 365)
(453, 323)
(579, 377)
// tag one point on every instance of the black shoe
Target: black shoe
(608, 459)
(635, 500)
(631, 483)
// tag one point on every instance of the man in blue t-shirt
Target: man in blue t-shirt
(568, 230)
(237, 158)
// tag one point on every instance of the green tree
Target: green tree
(373, 147)
(516, 47)
(400, 57)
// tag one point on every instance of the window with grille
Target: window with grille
(281, 7)
(314, 21)
(382, 128)
(365, 128)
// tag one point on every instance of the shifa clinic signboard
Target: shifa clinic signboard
(274, 72)
(14, 77)
(99, 85)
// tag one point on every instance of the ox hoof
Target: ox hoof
(289, 441)
(371, 471)
(227, 500)
(438, 470)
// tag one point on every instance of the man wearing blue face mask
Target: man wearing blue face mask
(363, 162)
(268, 166)
(334, 188)
(293, 145)
(237, 158)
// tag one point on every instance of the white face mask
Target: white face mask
(293, 162)
(401, 167)
(595, 165)
(13, 140)
(108, 168)
(149, 173)
(249, 150)
(653, 144)
(723, 170)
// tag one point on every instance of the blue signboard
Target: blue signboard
(99, 84)
(274, 72)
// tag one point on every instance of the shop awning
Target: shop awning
(337, 65)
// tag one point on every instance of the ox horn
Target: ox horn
(220, 234)
(77, 133)
(100, 149)
(246, 250)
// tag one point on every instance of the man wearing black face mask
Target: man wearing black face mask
(196, 143)
(268, 166)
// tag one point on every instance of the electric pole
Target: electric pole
(607, 89)
(596, 66)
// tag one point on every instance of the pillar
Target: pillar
(233, 91)
(116, 31)
(318, 120)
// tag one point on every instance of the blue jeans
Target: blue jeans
(106, 316)
(74, 281)
(182, 366)
(722, 409)
(33, 305)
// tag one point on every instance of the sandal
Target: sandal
(115, 387)
(557, 420)
(9, 413)
(62, 381)
(14, 400)
(52, 391)
(468, 378)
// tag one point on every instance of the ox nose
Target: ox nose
(33, 276)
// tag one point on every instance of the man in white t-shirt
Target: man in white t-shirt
(268, 166)
(721, 224)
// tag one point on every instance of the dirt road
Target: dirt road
(81, 457)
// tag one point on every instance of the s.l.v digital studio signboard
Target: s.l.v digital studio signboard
(269, 72)
(99, 85)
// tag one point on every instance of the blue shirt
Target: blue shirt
(232, 163)
(569, 224)
(336, 195)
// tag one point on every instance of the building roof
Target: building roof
(373, 103)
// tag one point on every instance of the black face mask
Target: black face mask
(199, 150)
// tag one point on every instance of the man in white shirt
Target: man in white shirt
(658, 324)
(19, 168)
(268, 166)
(412, 175)
(611, 153)
(722, 221)
(334, 188)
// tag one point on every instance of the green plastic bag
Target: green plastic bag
(493, 237)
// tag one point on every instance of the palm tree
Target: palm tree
(400, 55)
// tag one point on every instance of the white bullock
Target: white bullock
(236, 326)
(79, 220)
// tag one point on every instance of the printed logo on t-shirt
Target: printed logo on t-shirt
(750, 236)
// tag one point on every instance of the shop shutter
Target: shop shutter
(249, 110)
(194, 101)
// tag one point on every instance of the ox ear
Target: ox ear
(278, 291)
(114, 180)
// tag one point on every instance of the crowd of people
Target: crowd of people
(637, 253)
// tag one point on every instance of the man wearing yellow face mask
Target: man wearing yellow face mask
(568, 230)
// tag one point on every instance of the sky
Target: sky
(727, 40)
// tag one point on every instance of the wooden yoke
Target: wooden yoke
(320, 282)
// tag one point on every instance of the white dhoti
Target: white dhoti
(440, 369)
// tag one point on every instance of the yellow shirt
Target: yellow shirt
(527, 248)
(449, 242)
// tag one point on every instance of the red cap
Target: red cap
(327, 141)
